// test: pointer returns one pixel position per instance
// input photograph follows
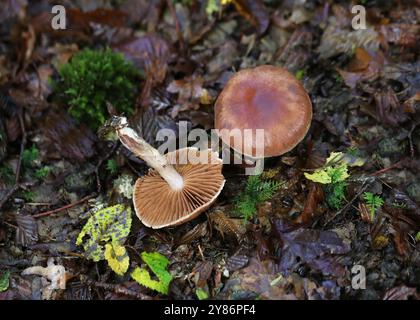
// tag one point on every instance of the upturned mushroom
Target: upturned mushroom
(169, 194)
(265, 97)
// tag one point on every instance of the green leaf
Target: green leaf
(335, 170)
(320, 176)
(201, 294)
(109, 224)
(4, 281)
(212, 6)
(158, 264)
(373, 203)
(117, 257)
(418, 236)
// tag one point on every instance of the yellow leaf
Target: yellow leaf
(319, 176)
(117, 258)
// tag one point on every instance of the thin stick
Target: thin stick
(114, 288)
(22, 149)
(393, 166)
(347, 206)
(71, 205)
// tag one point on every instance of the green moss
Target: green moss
(6, 174)
(93, 78)
(112, 166)
(30, 156)
(42, 173)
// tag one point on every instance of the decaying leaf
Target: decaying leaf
(199, 231)
(227, 226)
(111, 224)
(402, 293)
(117, 257)
(236, 262)
(201, 273)
(149, 52)
(27, 231)
(71, 140)
(257, 280)
(255, 12)
(158, 264)
(317, 248)
(336, 40)
(190, 94)
(311, 210)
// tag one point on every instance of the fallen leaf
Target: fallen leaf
(318, 249)
(27, 231)
(149, 52)
(72, 140)
(401, 293)
(403, 34)
(227, 226)
(111, 224)
(311, 209)
(254, 11)
(236, 262)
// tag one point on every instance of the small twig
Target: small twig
(116, 288)
(178, 30)
(201, 253)
(100, 163)
(71, 205)
(393, 166)
(22, 149)
(22, 146)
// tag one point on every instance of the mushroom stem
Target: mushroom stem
(150, 155)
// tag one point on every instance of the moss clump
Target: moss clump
(92, 78)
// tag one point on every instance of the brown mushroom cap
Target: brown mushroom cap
(269, 98)
(158, 206)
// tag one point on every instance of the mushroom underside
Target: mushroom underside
(158, 206)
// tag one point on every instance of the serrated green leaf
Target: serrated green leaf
(158, 264)
(4, 281)
(109, 224)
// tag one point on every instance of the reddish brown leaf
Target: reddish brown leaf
(360, 61)
(406, 35)
(71, 140)
(370, 73)
(255, 12)
(149, 52)
(202, 272)
(388, 109)
(311, 210)
(402, 293)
